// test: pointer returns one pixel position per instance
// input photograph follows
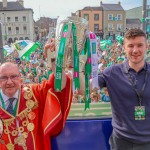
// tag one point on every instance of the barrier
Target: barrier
(85, 134)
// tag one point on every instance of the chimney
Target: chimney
(4, 3)
(21, 2)
(100, 3)
(119, 3)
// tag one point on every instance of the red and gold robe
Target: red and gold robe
(41, 114)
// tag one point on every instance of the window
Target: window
(119, 27)
(96, 16)
(110, 16)
(26, 38)
(15, 39)
(86, 16)
(8, 19)
(24, 29)
(9, 30)
(21, 38)
(10, 40)
(110, 26)
(16, 19)
(119, 16)
(96, 28)
(24, 18)
(17, 30)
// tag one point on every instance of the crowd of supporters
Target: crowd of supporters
(36, 70)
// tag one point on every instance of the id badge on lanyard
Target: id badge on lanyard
(139, 112)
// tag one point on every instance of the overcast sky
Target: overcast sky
(54, 8)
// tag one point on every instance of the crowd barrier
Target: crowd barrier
(85, 134)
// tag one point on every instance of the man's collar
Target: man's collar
(5, 97)
(126, 66)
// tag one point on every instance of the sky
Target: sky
(55, 8)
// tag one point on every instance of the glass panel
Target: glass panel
(96, 27)
(86, 16)
(96, 16)
(99, 106)
(16, 19)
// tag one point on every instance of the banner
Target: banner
(94, 60)
(25, 48)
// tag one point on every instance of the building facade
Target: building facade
(106, 21)
(17, 21)
(134, 17)
(114, 19)
(134, 13)
(45, 26)
(133, 23)
(94, 16)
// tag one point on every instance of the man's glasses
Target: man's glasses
(12, 77)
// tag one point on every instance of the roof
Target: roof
(13, 6)
(116, 7)
(139, 7)
(92, 8)
(133, 21)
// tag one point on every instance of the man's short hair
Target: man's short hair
(132, 33)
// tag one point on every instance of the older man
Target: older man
(31, 113)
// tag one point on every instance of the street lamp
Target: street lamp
(144, 14)
(1, 45)
(5, 36)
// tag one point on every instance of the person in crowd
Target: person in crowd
(75, 98)
(95, 97)
(81, 99)
(33, 113)
(36, 80)
(128, 86)
(29, 78)
(105, 95)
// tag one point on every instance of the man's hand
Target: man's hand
(49, 46)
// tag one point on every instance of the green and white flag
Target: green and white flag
(105, 43)
(7, 50)
(119, 39)
(25, 48)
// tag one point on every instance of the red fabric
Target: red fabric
(51, 113)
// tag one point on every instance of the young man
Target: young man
(31, 113)
(128, 85)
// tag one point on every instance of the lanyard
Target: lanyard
(3, 104)
(139, 94)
